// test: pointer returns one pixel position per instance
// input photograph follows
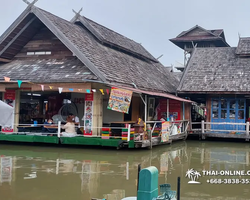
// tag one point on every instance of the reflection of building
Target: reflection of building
(7, 169)
(115, 195)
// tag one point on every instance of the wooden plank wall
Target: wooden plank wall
(45, 40)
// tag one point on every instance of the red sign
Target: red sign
(89, 97)
(10, 94)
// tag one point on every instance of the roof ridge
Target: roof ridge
(110, 29)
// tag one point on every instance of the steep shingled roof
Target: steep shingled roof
(108, 64)
(216, 69)
(243, 47)
(47, 70)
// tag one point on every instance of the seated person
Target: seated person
(50, 130)
(70, 129)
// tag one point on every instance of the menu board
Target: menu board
(88, 114)
(119, 100)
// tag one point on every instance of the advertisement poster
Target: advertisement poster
(88, 114)
(5, 169)
(119, 100)
(9, 98)
(165, 131)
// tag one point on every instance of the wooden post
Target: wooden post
(97, 113)
(247, 131)
(168, 108)
(59, 129)
(129, 130)
(152, 130)
(202, 129)
(17, 110)
(146, 107)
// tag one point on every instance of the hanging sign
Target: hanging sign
(9, 98)
(165, 131)
(88, 114)
(119, 100)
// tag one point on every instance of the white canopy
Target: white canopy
(6, 114)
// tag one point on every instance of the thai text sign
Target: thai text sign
(119, 100)
(165, 131)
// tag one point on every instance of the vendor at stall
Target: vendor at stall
(140, 130)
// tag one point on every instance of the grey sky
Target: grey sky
(150, 22)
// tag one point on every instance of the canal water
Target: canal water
(46, 173)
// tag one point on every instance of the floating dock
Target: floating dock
(117, 143)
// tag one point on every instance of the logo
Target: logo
(193, 175)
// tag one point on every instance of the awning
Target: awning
(159, 94)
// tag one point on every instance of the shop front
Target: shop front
(228, 110)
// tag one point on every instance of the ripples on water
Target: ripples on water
(44, 173)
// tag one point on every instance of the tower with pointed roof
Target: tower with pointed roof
(199, 37)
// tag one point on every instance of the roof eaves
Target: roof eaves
(16, 23)
(69, 44)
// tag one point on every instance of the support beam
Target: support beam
(20, 32)
(17, 110)
(146, 108)
(97, 113)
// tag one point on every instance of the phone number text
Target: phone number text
(228, 181)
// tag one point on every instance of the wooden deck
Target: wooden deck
(213, 134)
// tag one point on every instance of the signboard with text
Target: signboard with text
(120, 100)
(88, 114)
(165, 131)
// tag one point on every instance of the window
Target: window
(223, 108)
(241, 109)
(215, 105)
(39, 53)
(232, 106)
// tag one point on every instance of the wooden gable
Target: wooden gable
(44, 44)
(197, 32)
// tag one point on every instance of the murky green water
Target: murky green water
(45, 173)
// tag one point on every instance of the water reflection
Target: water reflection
(57, 173)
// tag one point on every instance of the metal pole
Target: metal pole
(178, 188)
(138, 176)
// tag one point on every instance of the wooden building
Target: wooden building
(199, 37)
(49, 54)
(218, 77)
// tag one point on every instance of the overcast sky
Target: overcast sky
(150, 22)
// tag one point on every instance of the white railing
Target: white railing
(226, 127)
